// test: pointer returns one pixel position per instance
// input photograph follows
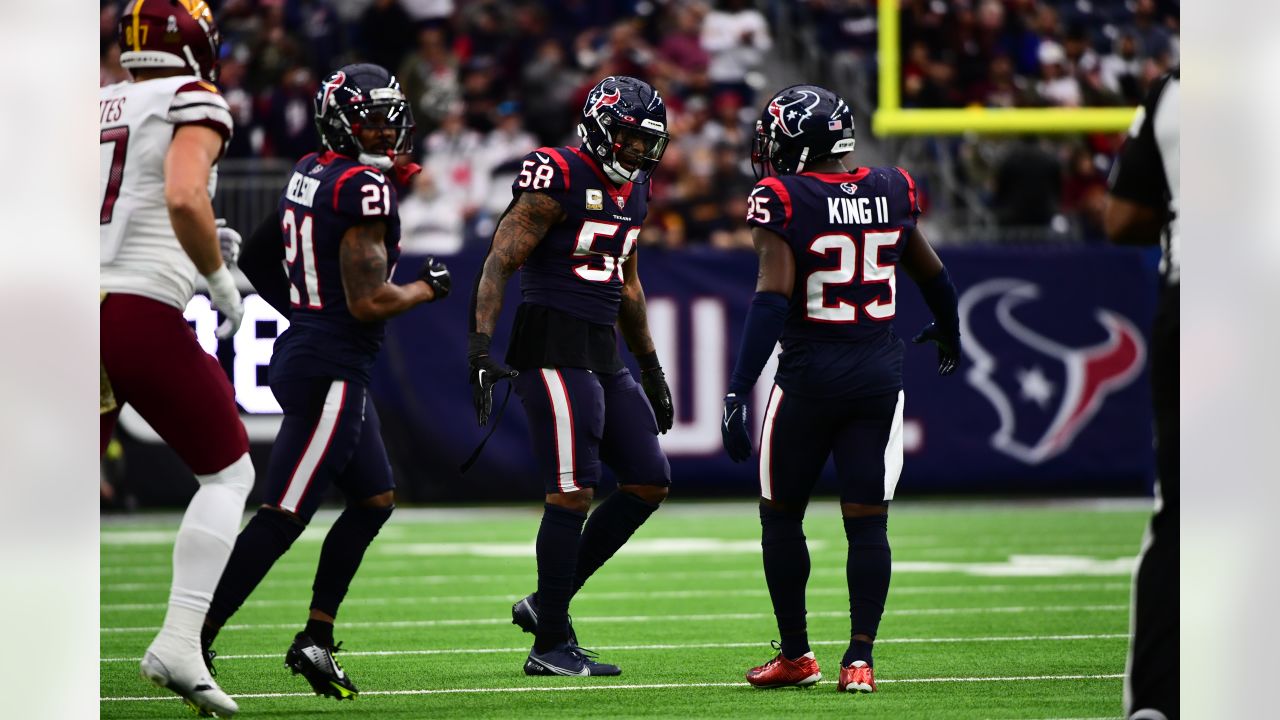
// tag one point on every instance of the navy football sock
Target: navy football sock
(868, 569)
(342, 552)
(320, 631)
(268, 535)
(786, 571)
(608, 528)
(557, 548)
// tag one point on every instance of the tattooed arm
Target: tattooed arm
(633, 321)
(518, 233)
(370, 296)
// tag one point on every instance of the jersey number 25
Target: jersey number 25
(874, 272)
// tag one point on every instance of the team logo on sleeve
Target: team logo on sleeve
(789, 115)
(595, 199)
(1044, 392)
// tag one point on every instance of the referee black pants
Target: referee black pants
(1152, 682)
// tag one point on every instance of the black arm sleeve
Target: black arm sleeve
(262, 261)
(1138, 174)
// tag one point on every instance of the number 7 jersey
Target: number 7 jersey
(847, 232)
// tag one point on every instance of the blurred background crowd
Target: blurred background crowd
(490, 81)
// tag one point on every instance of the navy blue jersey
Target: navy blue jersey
(577, 267)
(326, 195)
(846, 232)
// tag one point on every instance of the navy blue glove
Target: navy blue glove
(948, 342)
(733, 429)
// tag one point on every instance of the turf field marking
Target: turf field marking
(1017, 566)
(689, 646)
(650, 686)
(658, 618)
(662, 547)
(659, 594)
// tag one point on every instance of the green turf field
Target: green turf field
(996, 611)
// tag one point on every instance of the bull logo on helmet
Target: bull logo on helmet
(331, 85)
(609, 98)
(1046, 392)
(789, 113)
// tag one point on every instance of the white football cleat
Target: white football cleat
(190, 679)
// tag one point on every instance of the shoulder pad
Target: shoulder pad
(363, 191)
(543, 170)
(769, 205)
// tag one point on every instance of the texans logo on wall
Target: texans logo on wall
(1045, 391)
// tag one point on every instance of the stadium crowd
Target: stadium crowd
(490, 80)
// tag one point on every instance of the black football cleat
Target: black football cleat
(317, 664)
(525, 615)
(567, 659)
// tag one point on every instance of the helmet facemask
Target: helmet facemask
(385, 109)
(642, 147)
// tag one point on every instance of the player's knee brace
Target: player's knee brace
(237, 477)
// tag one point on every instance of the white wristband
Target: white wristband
(221, 282)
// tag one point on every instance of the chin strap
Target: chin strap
(382, 162)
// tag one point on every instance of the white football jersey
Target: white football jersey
(139, 253)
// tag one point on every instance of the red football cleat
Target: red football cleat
(858, 677)
(781, 672)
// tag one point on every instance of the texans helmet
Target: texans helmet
(169, 34)
(620, 108)
(801, 124)
(358, 95)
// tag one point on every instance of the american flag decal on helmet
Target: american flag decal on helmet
(835, 125)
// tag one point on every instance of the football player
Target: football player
(162, 132)
(572, 231)
(339, 228)
(830, 241)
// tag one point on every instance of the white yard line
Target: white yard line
(659, 594)
(651, 686)
(659, 618)
(903, 567)
(682, 646)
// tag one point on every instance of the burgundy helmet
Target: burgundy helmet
(169, 34)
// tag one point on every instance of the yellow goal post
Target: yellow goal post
(892, 119)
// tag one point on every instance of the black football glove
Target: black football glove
(483, 373)
(435, 274)
(948, 342)
(654, 382)
(733, 429)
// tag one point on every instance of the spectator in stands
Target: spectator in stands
(386, 35)
(290, 112)
(1028, 184)
(548, 85)
(736, 37)
(318, 26)
(428, 13)
(429, 78)
(247, 140)
(498, 162)
(681, 49)
(1057, 85)
(1121, 70)
(1084, 193)
(450, 159)
(430, 221)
